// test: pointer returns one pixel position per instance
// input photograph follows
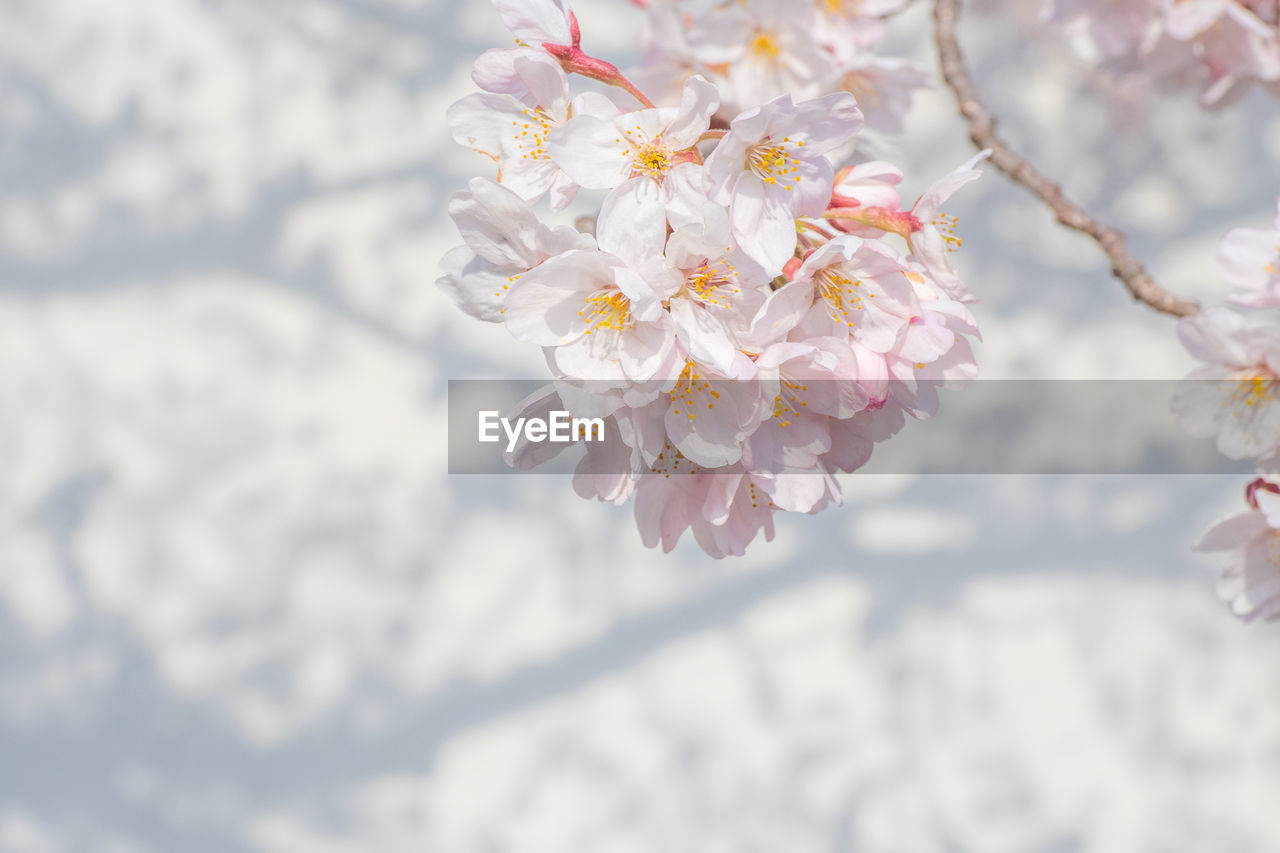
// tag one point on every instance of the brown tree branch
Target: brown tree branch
(982, 130)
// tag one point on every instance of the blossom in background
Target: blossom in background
(852, 25)
(1249, 259)
(763, 49)
(1250, 580)
(883, 86)
(758, 50)
(1219, 47)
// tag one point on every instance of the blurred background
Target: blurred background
(243, 608)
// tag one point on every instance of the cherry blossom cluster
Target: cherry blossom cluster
(749, 319)
(1235, 399)
(1218, 47)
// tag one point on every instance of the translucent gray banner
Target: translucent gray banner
(981, 427)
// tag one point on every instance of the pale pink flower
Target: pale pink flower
(868, 195)
(1249, 259)
(670, 498)
(884, 87)
(860, 290)
(645, 146)
(1117, 28)
(605, 472)
(711, 413)
(1233, 397)
(870, 184)
(851, 25)
(1250, 580)
(512, 126)
(534, 22)
(771, 168)
(936, 237)
(504, 240)
(934, 352)
(1230, 46)
(1217, 46)
(733, 511)
(601, 311)
(724, 509)
(765, 49)
(667, 59)
(812, 382)
(723, 290)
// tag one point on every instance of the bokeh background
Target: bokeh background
(243, 608)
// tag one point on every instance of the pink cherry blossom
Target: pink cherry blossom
(766, 48)
(504, 240)
(645, 146)
(884, 87)
(860, 291)
(1249, 259)
(534, 22)
(512, 125)
(1219, 47)
(771, 169)
(1233, 397)
(1250, 580)
(601, 310)
(937, 237)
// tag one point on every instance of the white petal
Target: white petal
(827, 122)
(764, 229)
(645, 347)
(497, 225)
(528, 177)
(473, 284)
(779, 314)
(684, 194)
(698, 102)
(1248, 258)
(702, 334)
(479, 121)
(543, 305)
(535, 21)
(926, 207)
(633, 223)
(545, 81)
(590, 151)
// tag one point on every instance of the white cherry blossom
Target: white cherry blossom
(1250, 579)
(1249, 259)
(771, 169)
(1233, 397)
(511, 126)
(504, 240)
(637, 148)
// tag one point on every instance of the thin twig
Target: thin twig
(982, 130)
